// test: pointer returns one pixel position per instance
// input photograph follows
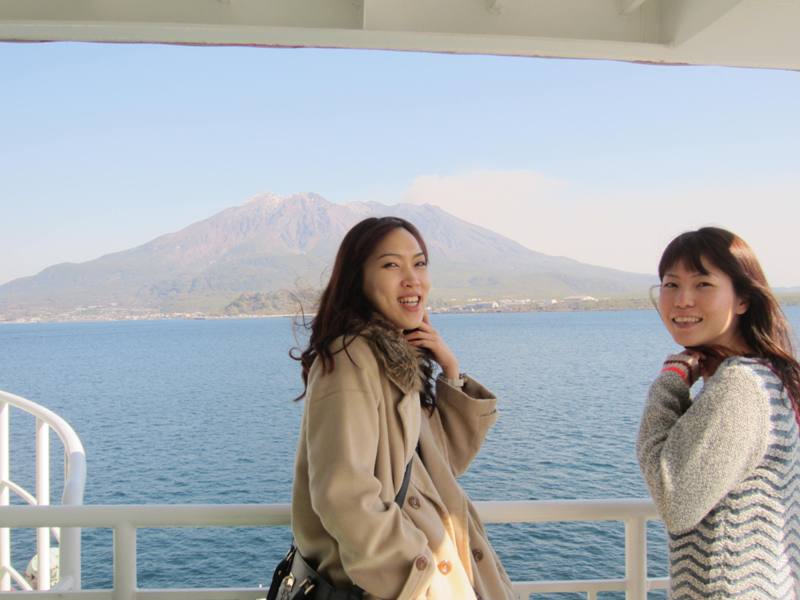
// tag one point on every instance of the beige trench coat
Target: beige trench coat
(358, 432)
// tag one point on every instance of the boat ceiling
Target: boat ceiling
(745, 33)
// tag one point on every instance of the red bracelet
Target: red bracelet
(676, 361)
(684, 375)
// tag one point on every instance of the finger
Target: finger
(424, 326)
(427, 332)
(420, 338)
(423, 344)
(426, 317)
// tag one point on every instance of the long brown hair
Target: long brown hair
(344, 310)
(763, 326)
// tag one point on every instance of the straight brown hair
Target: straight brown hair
(764, 326)
(344, 310)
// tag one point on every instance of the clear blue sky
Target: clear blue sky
(103, 147)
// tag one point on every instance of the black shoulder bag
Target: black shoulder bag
(294, 578)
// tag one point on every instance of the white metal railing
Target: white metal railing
(74, 481)
(124, 520)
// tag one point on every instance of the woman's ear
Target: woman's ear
(741, 306)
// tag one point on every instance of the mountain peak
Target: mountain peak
(272, 242)
(265, 200)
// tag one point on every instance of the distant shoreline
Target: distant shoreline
(473, 306)
(169, 317)
(149, 317)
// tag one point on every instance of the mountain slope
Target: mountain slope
(270, 244)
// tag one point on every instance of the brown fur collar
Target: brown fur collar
(402, 362)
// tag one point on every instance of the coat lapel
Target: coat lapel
(409, 413)
(398, 359)
(401, 363)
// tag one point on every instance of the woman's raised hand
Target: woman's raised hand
(689, 363)
(425, 336)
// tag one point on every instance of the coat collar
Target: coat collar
(398, 359)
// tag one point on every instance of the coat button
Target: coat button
(444, 567)
(413, 502)
(477, 554)
(421, 563)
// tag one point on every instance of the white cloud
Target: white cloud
(627, 229)
(512, 203)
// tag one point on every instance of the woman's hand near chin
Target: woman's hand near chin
(425, 336)
(689, 364)
(704, 363)
(709, 364)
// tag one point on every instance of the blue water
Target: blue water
(202, 412)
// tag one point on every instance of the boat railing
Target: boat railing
(69, 538)
(125, 520)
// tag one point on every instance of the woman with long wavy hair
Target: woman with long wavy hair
(724, 466)
(376, 508)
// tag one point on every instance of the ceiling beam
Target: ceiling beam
(561, 19)
(681, 20)
(494, 7)
(629, 6)
(745, 33)
(343, 14)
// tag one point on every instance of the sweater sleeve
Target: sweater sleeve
(693, 453)
(466, 415)
(379, 547)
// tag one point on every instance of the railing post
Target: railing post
(43, 499)
(124, 563)
(636, 559)
(5, 475)
(69, 568)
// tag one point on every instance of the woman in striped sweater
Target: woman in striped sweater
(724, 466)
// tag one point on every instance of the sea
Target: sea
(203, 411)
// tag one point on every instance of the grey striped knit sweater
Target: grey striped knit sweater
(724, 472)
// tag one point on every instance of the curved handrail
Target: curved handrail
(19, 491)
(75, 476)
(72, 495)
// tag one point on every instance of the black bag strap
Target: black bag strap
(401, 495)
